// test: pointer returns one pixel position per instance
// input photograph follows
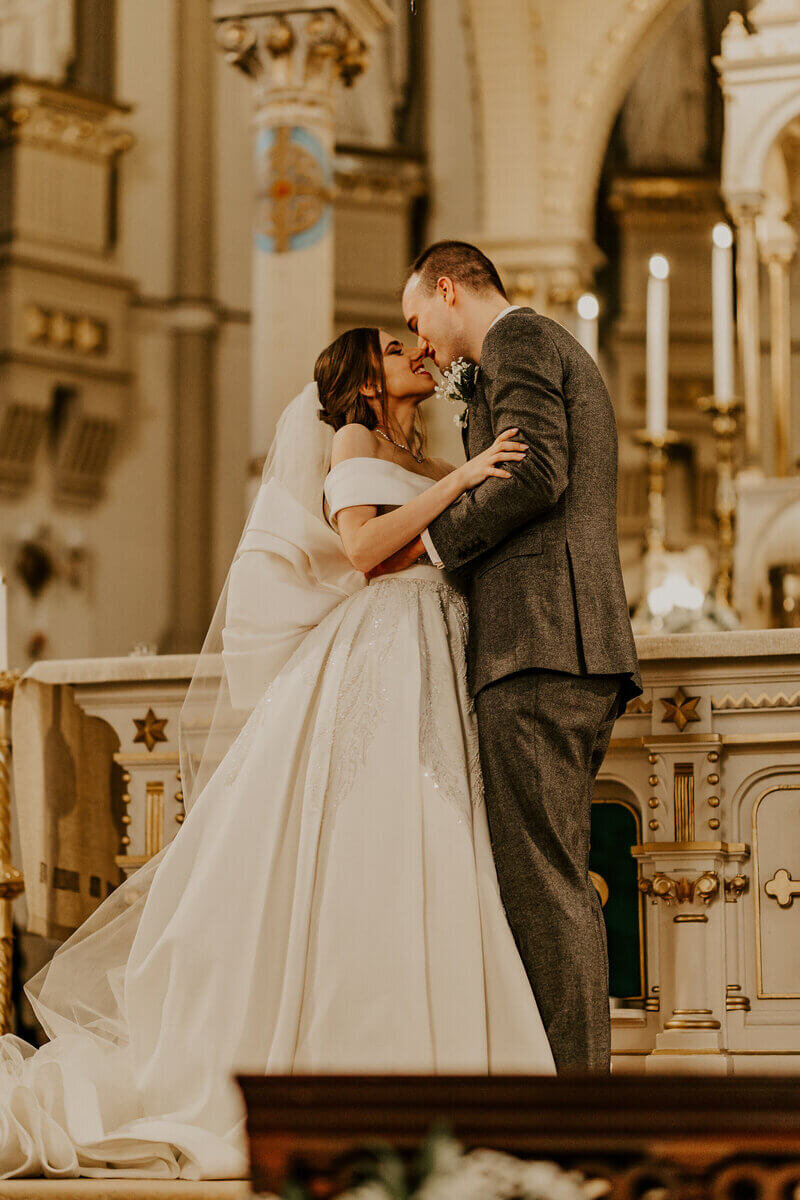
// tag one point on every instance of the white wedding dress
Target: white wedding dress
(329, 904)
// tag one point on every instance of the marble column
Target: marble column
(778, 243)
(296, 53)
(193, 321)
(748, 326)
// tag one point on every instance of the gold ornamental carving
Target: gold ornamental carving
(153, 817)
(680, 710)
(683, 800)
(294, 195)
(279, 37)
(681, 891)
(736, 887)
(295, 50)
(80, 333)
(43, 115)
(238, 42)
(8, 683)
(150, 729)
(783, 888)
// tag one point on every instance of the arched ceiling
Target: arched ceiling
(551, 79)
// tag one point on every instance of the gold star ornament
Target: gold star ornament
(681, 709)
(150, 729)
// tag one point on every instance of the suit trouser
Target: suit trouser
(543, 736)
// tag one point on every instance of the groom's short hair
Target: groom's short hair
(461, 262)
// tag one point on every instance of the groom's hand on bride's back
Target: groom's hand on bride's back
(406, 556)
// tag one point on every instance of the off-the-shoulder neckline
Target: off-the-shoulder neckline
(386, 462)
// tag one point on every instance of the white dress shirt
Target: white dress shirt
(426, 537)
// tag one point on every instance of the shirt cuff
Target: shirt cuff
(431, 549)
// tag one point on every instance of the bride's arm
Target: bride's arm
(368, 538)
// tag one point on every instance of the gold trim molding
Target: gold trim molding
(737, 849)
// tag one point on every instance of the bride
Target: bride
(330, 902)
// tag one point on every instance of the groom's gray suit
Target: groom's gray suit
(552, 659)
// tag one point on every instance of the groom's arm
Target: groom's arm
(524, 388)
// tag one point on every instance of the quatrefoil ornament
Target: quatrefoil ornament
(783, 888)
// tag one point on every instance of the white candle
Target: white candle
(588, 312)
(3, 625)
(722, 311)
(657, 345)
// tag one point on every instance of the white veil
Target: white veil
(289, 571)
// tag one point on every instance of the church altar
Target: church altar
(695, 828)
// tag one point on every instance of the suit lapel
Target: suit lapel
(479, 426)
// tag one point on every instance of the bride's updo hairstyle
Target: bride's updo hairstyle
(350, 363)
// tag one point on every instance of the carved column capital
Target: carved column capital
(777, 240)
(294, 53)
(664, 887)
(8, 682)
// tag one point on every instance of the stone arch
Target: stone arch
(544, 130)
(755, 132)
(627, 43)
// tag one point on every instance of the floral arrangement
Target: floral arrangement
(458, 386)
(442, 1171)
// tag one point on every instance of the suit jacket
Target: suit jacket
(539, 551)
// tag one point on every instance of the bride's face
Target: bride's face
(406, 377)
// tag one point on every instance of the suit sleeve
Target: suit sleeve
(524, 388)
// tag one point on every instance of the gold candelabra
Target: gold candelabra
(724, 426)
(657, 461)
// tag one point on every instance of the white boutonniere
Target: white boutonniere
(458, 386)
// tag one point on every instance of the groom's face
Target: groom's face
(434, 318)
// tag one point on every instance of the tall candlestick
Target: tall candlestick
(724, 414)
(657, 345)
(722, 312)
(588, 312)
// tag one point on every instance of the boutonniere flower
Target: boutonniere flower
(458, 386)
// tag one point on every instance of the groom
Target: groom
(552, 661)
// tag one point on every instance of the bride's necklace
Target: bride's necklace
(420, 458)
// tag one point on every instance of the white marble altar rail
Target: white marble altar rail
(708, 762)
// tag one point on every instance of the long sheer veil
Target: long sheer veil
(289, 571)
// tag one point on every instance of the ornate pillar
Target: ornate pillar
(295, 51)
(778, 243)
(747, 319)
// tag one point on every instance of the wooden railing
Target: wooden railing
(667, 1138)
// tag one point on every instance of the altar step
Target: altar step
(123, 1189)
